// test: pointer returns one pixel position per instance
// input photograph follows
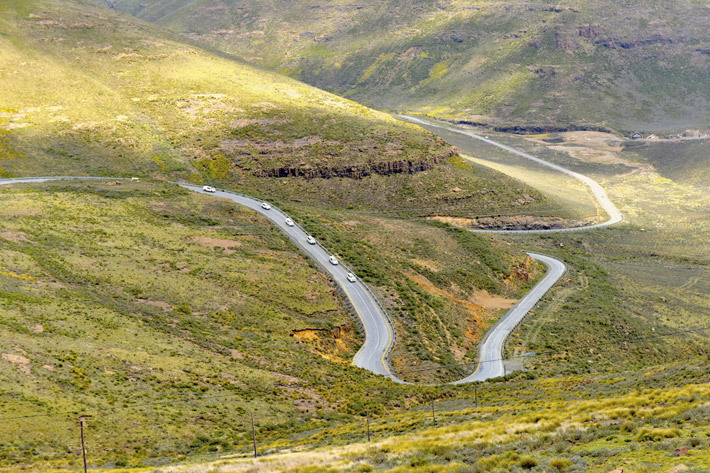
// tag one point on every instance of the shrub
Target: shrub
(419, 460)
(627, 426)
(528, 463)
(655, 435)
(560, 464)
(695, 442)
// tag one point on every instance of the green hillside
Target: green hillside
(85, 90)
(654, 420)
(631, 65)
(169, 316)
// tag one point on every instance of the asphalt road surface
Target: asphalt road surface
(490, 363)
(596, 190)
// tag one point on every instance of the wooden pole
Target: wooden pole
(253, 433)
(83, 445)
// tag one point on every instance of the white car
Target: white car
(311, 240)
(135, 179)
(333, 260)
(289, 222)
(265, 206)
(208, 189)
(351, 277)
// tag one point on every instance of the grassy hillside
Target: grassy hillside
(641, 421)
(89, 91)
(627, 283)
(167, 316)
(85, 90)
(636, 65)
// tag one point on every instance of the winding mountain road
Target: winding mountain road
(490, 364)
(597, 191)
(379, 331)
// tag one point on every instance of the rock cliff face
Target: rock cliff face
(357, 171)
(532, 129)
(617, 43)
(569, 40)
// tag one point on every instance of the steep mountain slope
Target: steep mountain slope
(84, 89)
(640, 64)
(88, 90)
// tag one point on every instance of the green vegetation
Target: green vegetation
(168, 316)
(631, 65)
(636, 293)
(156, 310)
(152, 105)
(641, 421)
(125, 294)
(84, 90)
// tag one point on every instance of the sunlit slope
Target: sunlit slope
(129, 298)
(87, 90)
(640, 64)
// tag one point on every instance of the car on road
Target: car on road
(289, 222)
(265, 206)
(208, 189)
(135, 179)
(351, 277)
(333, 260)
(311, 240)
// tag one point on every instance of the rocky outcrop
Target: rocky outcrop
(589, 31)
(540, 129)
(357, 171)
(336, 333)
(567, 40)
(526, 222)
(532, 129)
(616, 43)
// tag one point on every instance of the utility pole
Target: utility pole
(433, 412)
(253, 432)
(82, 418)
(368, 427)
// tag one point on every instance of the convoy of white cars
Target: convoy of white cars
(289, 221)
